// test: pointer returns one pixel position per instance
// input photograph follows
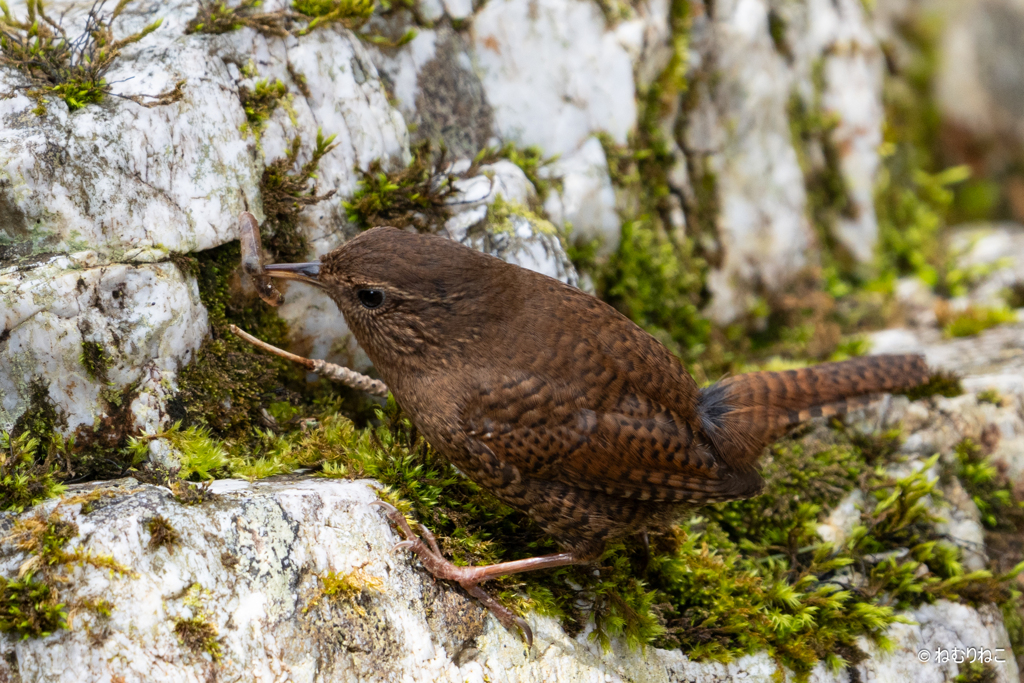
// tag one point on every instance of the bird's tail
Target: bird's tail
(743, 414)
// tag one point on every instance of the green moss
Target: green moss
(229, 383)
(199, 635)
(530, 160)
(350, 13)
(30, 608)
(95, 360)
(412, 196)
(285, 190)
(913, 197)
(500, 213)
(941, 383)
(991, 396)
(162, 534)
(657, 283)
(260, 101)
(991, 490)
(975, 320)
(72, 69)
(26, 478)
(976, 672)
(304, 16)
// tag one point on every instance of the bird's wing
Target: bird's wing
(631, 446)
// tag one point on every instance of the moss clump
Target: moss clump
(346, 586)
(197, 632)
(96, 361)
(990, 489)
(500, 213)
(974, 320)
(285, 191)
(991, 396)
(162, 534)
(260, 101)
(412, 196)
(72, 69)
(30, 608)
(228, 384)
(217, 17)
(530, 160)
(941, 383)
(351, 14)
(913, 195)
(305, 16)
(25, 478)
(199, 635)
(976, 672)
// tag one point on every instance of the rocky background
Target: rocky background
(758, 183)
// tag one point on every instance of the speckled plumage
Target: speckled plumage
(560, 405)
(556, 402)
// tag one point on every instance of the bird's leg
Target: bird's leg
(470, 578)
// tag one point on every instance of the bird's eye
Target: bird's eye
(371, 298)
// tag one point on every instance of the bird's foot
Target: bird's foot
(468, 577)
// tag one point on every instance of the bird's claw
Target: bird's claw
(435, 563)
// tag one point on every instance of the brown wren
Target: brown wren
(557, 403)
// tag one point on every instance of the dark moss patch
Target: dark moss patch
(942, 383)
(229, 383)
(162, 534)
(72, 69)
(260, 102)
(30, 608)
(285, 191)
(451, 107)
(96, 361)
(27, 477)
(976, 672)
(412, 196)
(199, 635)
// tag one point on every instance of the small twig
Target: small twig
(335, 373)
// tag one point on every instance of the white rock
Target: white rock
(586, 200)
(763, 226)
(146, 317)
(459, 9)
(553, 73)
(248, 561)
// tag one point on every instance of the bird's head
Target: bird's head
(410, 296)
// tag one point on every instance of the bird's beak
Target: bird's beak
(303, 272)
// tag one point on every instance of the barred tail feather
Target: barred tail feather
(743, 414)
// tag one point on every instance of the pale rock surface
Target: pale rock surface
(527, 241)
(124, 186)
(248, 563)
(743, 127)
(146, 317)
(586, 200)
(836, 37)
